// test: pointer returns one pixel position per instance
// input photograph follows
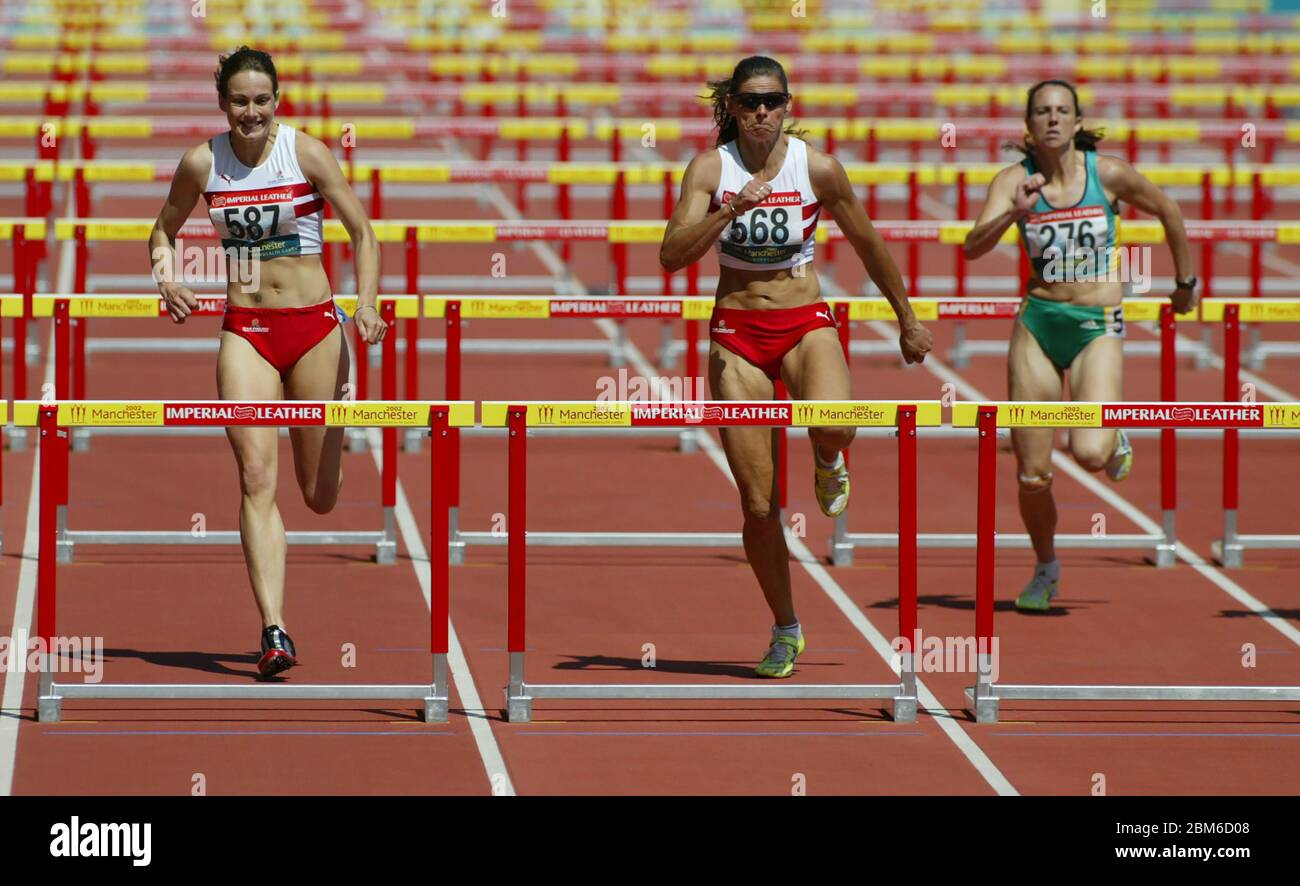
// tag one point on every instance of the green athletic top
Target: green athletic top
(1076, 244)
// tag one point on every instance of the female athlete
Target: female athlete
(757, 197)
(1063, 196)
(265, 185)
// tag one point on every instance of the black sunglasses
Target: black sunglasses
(771, 100)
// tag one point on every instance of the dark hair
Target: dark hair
(244, 59)
(1084, 139)
(754, 66)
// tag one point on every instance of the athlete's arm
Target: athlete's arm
(692, 229)
(835, 193)
(1131, 186)
(187, 187)
(322, 170)
(1011, 196)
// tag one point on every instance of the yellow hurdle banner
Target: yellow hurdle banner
(1132, 415)
(712, 413)
(223, 413)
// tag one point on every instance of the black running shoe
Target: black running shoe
(278, 653)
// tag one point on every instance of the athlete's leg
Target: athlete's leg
(815, 369)
(1096, 376)
(242, 374)
(751, 453)
(1032, 376)
(318, 451)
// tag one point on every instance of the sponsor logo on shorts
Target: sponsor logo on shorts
(826, 315)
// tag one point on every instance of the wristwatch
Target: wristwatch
(1185, 284)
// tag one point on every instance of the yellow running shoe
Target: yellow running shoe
(1121, 460)
(779, 661)
(832, 486)
(1037, 595)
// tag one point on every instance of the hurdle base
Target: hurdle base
(49, 709)
(842, 545)
(1228, 556)
(384, 543)
(436, 710)
(605, 539)
(1047, 692)
(356, 440)
(519, 703)
(904, 709)
(519, 708)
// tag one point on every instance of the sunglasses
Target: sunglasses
(771, 100)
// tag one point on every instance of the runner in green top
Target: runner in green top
(1063, 198)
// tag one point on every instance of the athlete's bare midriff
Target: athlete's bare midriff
(767, 290)
(1107, 294)
(290, 281)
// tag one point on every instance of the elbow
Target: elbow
(669, 262)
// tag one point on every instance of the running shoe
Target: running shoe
(1037, 595)
(832, 485)
(278, 653)
(1121, 462)
(779, 661)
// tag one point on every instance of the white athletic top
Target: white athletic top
(271, 206)
(779, 232)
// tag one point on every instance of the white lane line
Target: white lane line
(969, 392)
(488, 750)
(25, 601)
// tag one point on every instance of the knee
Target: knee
(759, 510)
(834, 438)
(321, 500)
(1090, 456)
(257, 479)
(1035, 482)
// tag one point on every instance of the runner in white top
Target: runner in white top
(265, 185)
(758, 196)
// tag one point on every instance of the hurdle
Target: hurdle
(53, 420)
(519, 417)
(1162, 544)
(986, 696)
(1230, 549)
(75, 309)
